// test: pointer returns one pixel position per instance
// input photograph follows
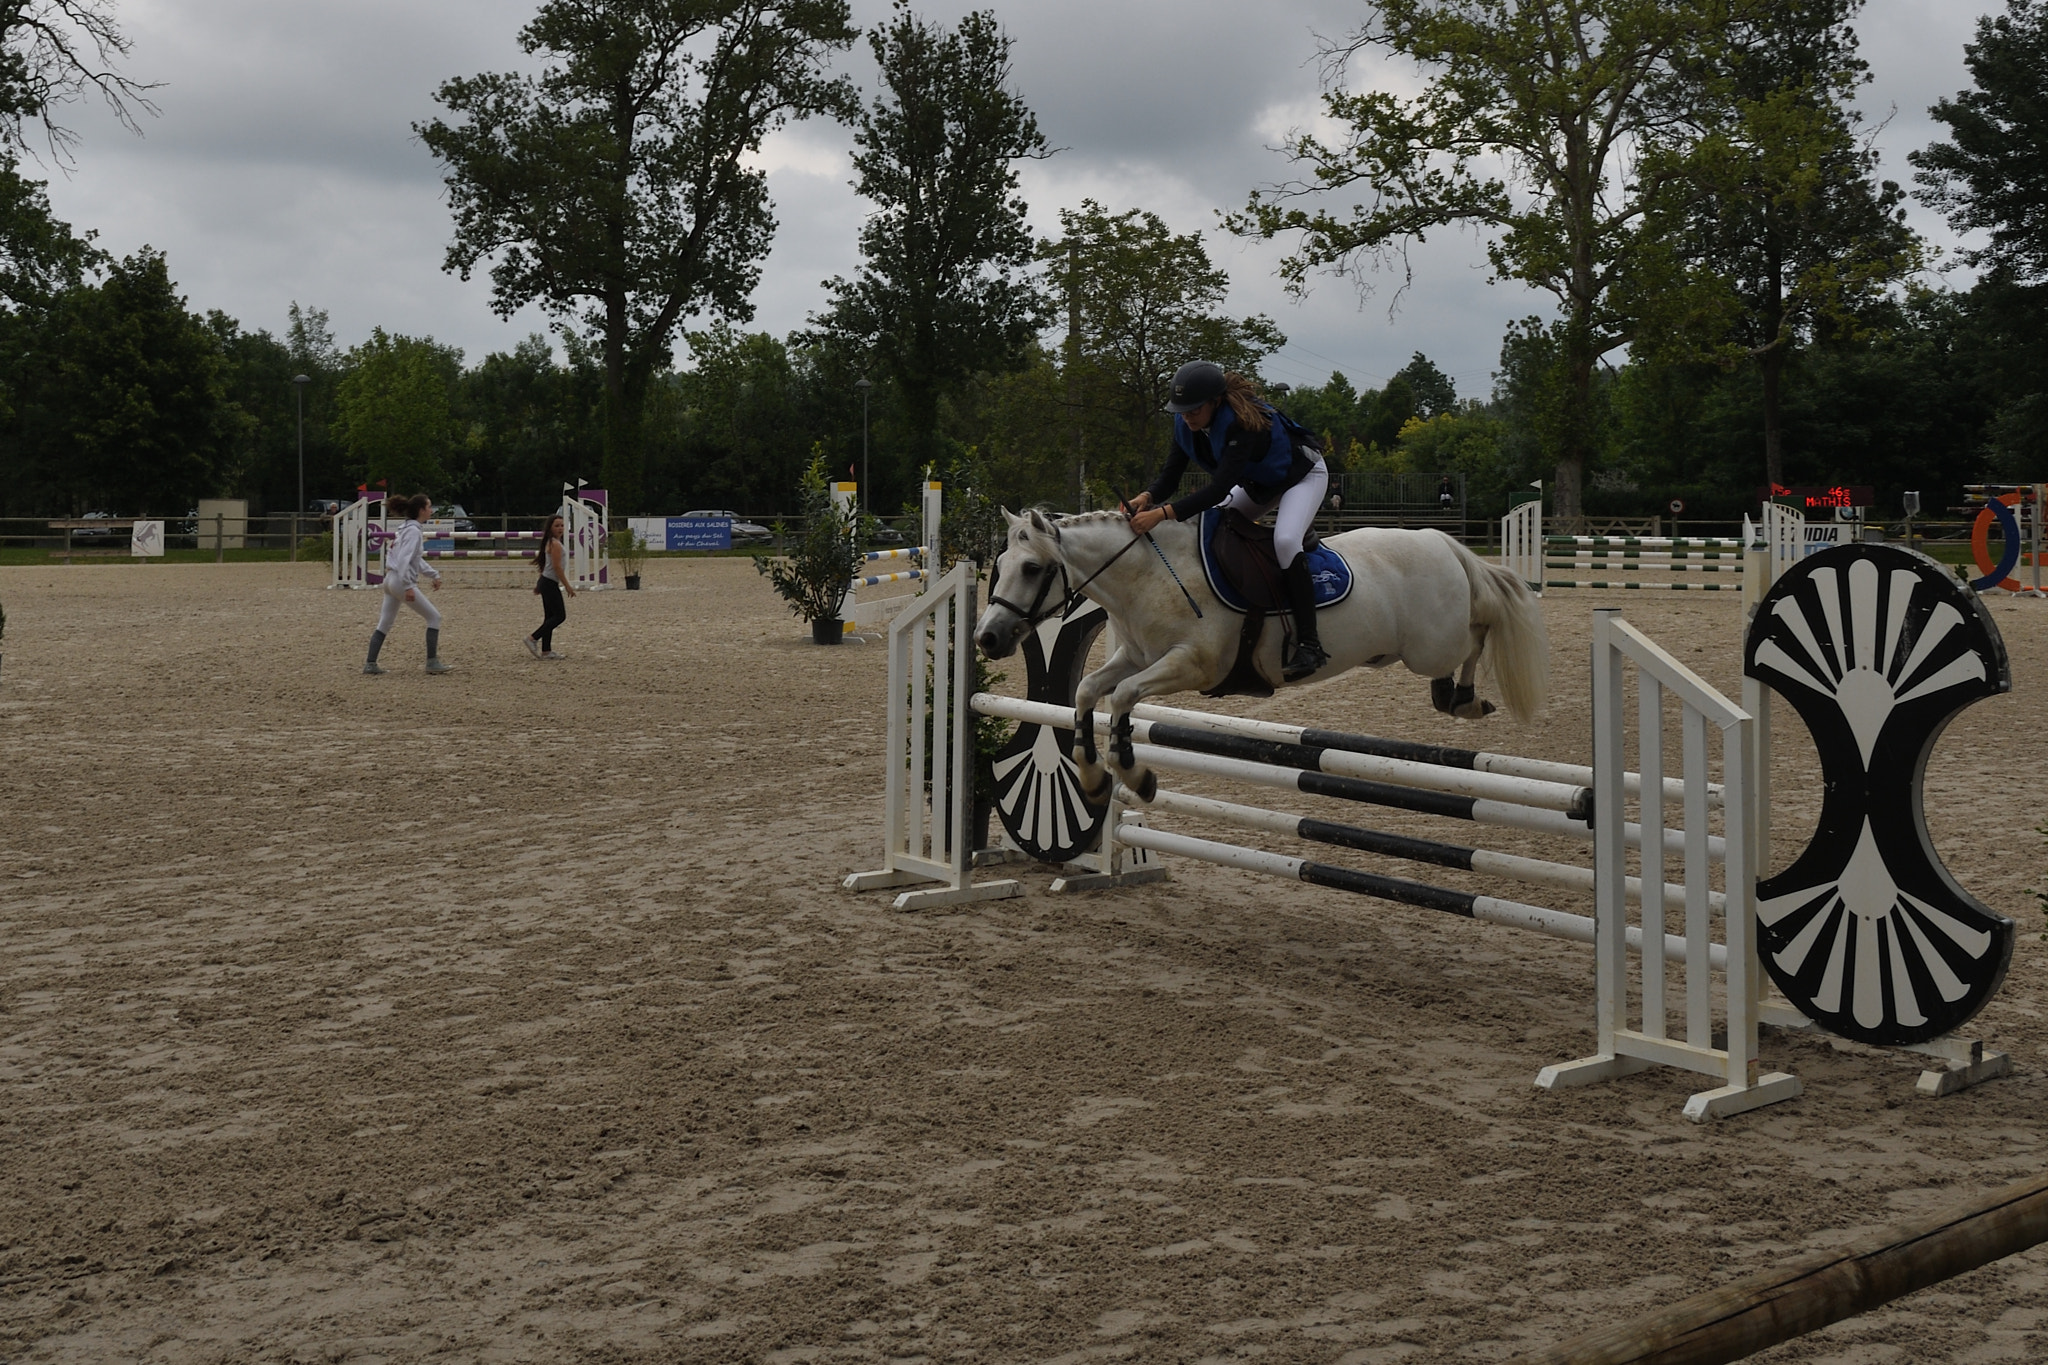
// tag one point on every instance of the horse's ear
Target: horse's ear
(1011, 517)
(1040, 523)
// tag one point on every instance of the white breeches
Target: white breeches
(1298, 507)
(394, 600)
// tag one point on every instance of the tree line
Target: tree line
(1739, 298)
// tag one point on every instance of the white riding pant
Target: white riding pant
(394, 599)
(1298, 507)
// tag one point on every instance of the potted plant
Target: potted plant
(822, 560)
(629, 552)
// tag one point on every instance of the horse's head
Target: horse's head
(1030, 584)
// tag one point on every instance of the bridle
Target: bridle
(1039, 613)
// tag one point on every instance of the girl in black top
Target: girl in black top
(1255, 466)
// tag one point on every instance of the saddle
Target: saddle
(1244, 572)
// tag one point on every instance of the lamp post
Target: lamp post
(863, 385)
(299, 382)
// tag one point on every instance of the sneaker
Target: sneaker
(371, 667)
(436, 666)
(533, 646)
(552, 655)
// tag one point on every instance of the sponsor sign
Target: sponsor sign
(683, 533)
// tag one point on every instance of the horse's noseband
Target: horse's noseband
(1039, 613)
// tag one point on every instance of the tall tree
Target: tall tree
(53, 53)
(1140, 301)
(1435, 394)
(944, 289)
(123, 402)
(395, 413)
(1789, 234)
(1992, 177)
(1553, 126)
(615, 188)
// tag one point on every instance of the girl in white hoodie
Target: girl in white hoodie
(404, 563)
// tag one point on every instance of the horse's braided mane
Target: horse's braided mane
(1079, 518)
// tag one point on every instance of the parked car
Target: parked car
(453, 512)
(743, 532)
(325, 507)
(84, 531)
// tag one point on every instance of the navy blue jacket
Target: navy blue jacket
(1267, 463)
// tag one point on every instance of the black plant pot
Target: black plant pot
(632, 582)
(828, 632)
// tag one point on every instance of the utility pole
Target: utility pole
(1073, 359)
(299, 382)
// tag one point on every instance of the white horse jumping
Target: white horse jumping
(1420, 598)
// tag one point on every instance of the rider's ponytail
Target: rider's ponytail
(1244, 398)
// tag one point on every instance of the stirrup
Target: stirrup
(1308, 658)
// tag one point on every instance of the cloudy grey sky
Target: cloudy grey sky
(283, 165)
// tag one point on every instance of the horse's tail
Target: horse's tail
(1517, 646)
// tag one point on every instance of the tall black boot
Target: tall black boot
(1308, 653)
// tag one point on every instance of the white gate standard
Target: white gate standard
(1703, 713)
(359, 534)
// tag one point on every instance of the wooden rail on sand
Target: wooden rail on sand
(1747, 1315)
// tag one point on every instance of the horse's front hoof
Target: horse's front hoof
(1095, 783)
(1147, 788)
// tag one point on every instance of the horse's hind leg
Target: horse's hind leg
(1465, 703)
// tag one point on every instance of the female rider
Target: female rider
(1222, 424)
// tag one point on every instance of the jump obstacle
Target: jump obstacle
(1625, 562)
(1865, 934)
(362, 531)
(873, 614)
(2016, 509)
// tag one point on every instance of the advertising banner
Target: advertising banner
(683, 533)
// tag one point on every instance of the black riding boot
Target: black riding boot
(1308, 653)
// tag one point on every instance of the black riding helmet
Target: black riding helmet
(1195, 383)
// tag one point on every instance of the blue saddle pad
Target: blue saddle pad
(1326, 567)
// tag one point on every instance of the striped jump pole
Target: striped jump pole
(1407, 848)
(1469, 904)
(1440, 755)
(1541, 794)
(1626, 585)
(1539, 807)
(877, 580)
(1651, 542)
